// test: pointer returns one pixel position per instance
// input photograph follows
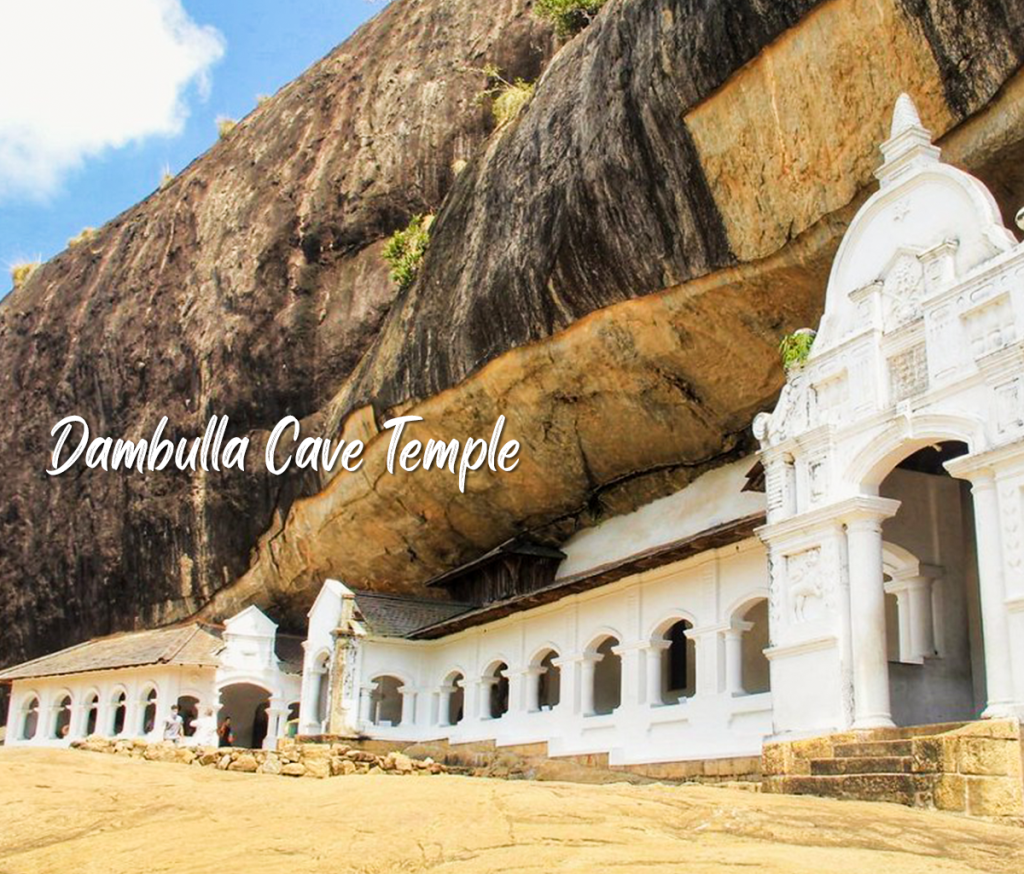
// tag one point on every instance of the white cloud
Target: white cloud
(80, 77)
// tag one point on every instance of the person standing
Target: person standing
(173, 726)
(226, 734)
(206, 729)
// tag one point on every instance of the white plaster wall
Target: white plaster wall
(170, 681)
(708, 590)
(713, 499)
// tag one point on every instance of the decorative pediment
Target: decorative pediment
(927, 225)
(251, 622)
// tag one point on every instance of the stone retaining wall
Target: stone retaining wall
(974, 768)
(291, 759)
(531, 761)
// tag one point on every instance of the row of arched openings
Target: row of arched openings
(676, 674)
(116, 722)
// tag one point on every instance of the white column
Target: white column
(653, 658)
(277, 710)
(531, 678)
(631, 675)
(872, 708)
(444, 705)
(365, 705)
(995, 631)
(48, 726)
(733, 636)
(515, 690)
(408, 706)
(587, 665)
(922, 624)
(79, 716)
(483, 687)
(567, 682)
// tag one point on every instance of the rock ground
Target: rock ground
(64, 811)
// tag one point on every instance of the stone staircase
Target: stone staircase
(964, 767)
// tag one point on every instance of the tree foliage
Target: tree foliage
(569, 17)
(405, 248)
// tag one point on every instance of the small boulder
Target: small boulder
(403, 764)
(293, 769)
(246, 762)
(318, 768)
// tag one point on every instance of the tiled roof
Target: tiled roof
(398, 616)
(192, 644)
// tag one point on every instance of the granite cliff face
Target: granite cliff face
(612, 271)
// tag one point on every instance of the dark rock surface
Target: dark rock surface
(252, 286)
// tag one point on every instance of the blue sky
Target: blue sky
(62, 170)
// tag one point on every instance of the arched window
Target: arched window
(30, 718)
(292, 725)
(754, 673)
(386, 701)
(549, 683)
(607, 680)
(188, 710)
(92, 711)
(148, 711)
(498, 683)
(62, 718)
(453, 699)
(670, 663)
(120, 707)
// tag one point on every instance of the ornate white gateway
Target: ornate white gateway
(920, 346)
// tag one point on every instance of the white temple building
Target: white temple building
(866, 570)
(124, 685)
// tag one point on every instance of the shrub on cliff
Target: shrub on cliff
(21, 272)
(225, 125)
(568, 17)
(507, 98)
(405, 248)
(83, 236)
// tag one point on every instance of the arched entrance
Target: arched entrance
(62, 718)
(92, 712)
(386, 701)
(246, 705)
(933, 620)
(549, 682)
(497, 686)
(606, 683)
(188, 710)
(29, 718)
(453, 698)
(754, 674)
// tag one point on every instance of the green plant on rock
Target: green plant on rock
(225, 125)
(21, 272)
(83, 236)
(507, 98)
(405, 248)
(568, 17)
(795, 347)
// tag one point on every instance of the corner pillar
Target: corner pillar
(871, 704)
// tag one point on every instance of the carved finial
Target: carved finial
(1020, 218)
(904, 116)
(909, 145)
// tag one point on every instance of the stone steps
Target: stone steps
(913, 790)
(874, 749)
(862, 765)
(976, 768)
